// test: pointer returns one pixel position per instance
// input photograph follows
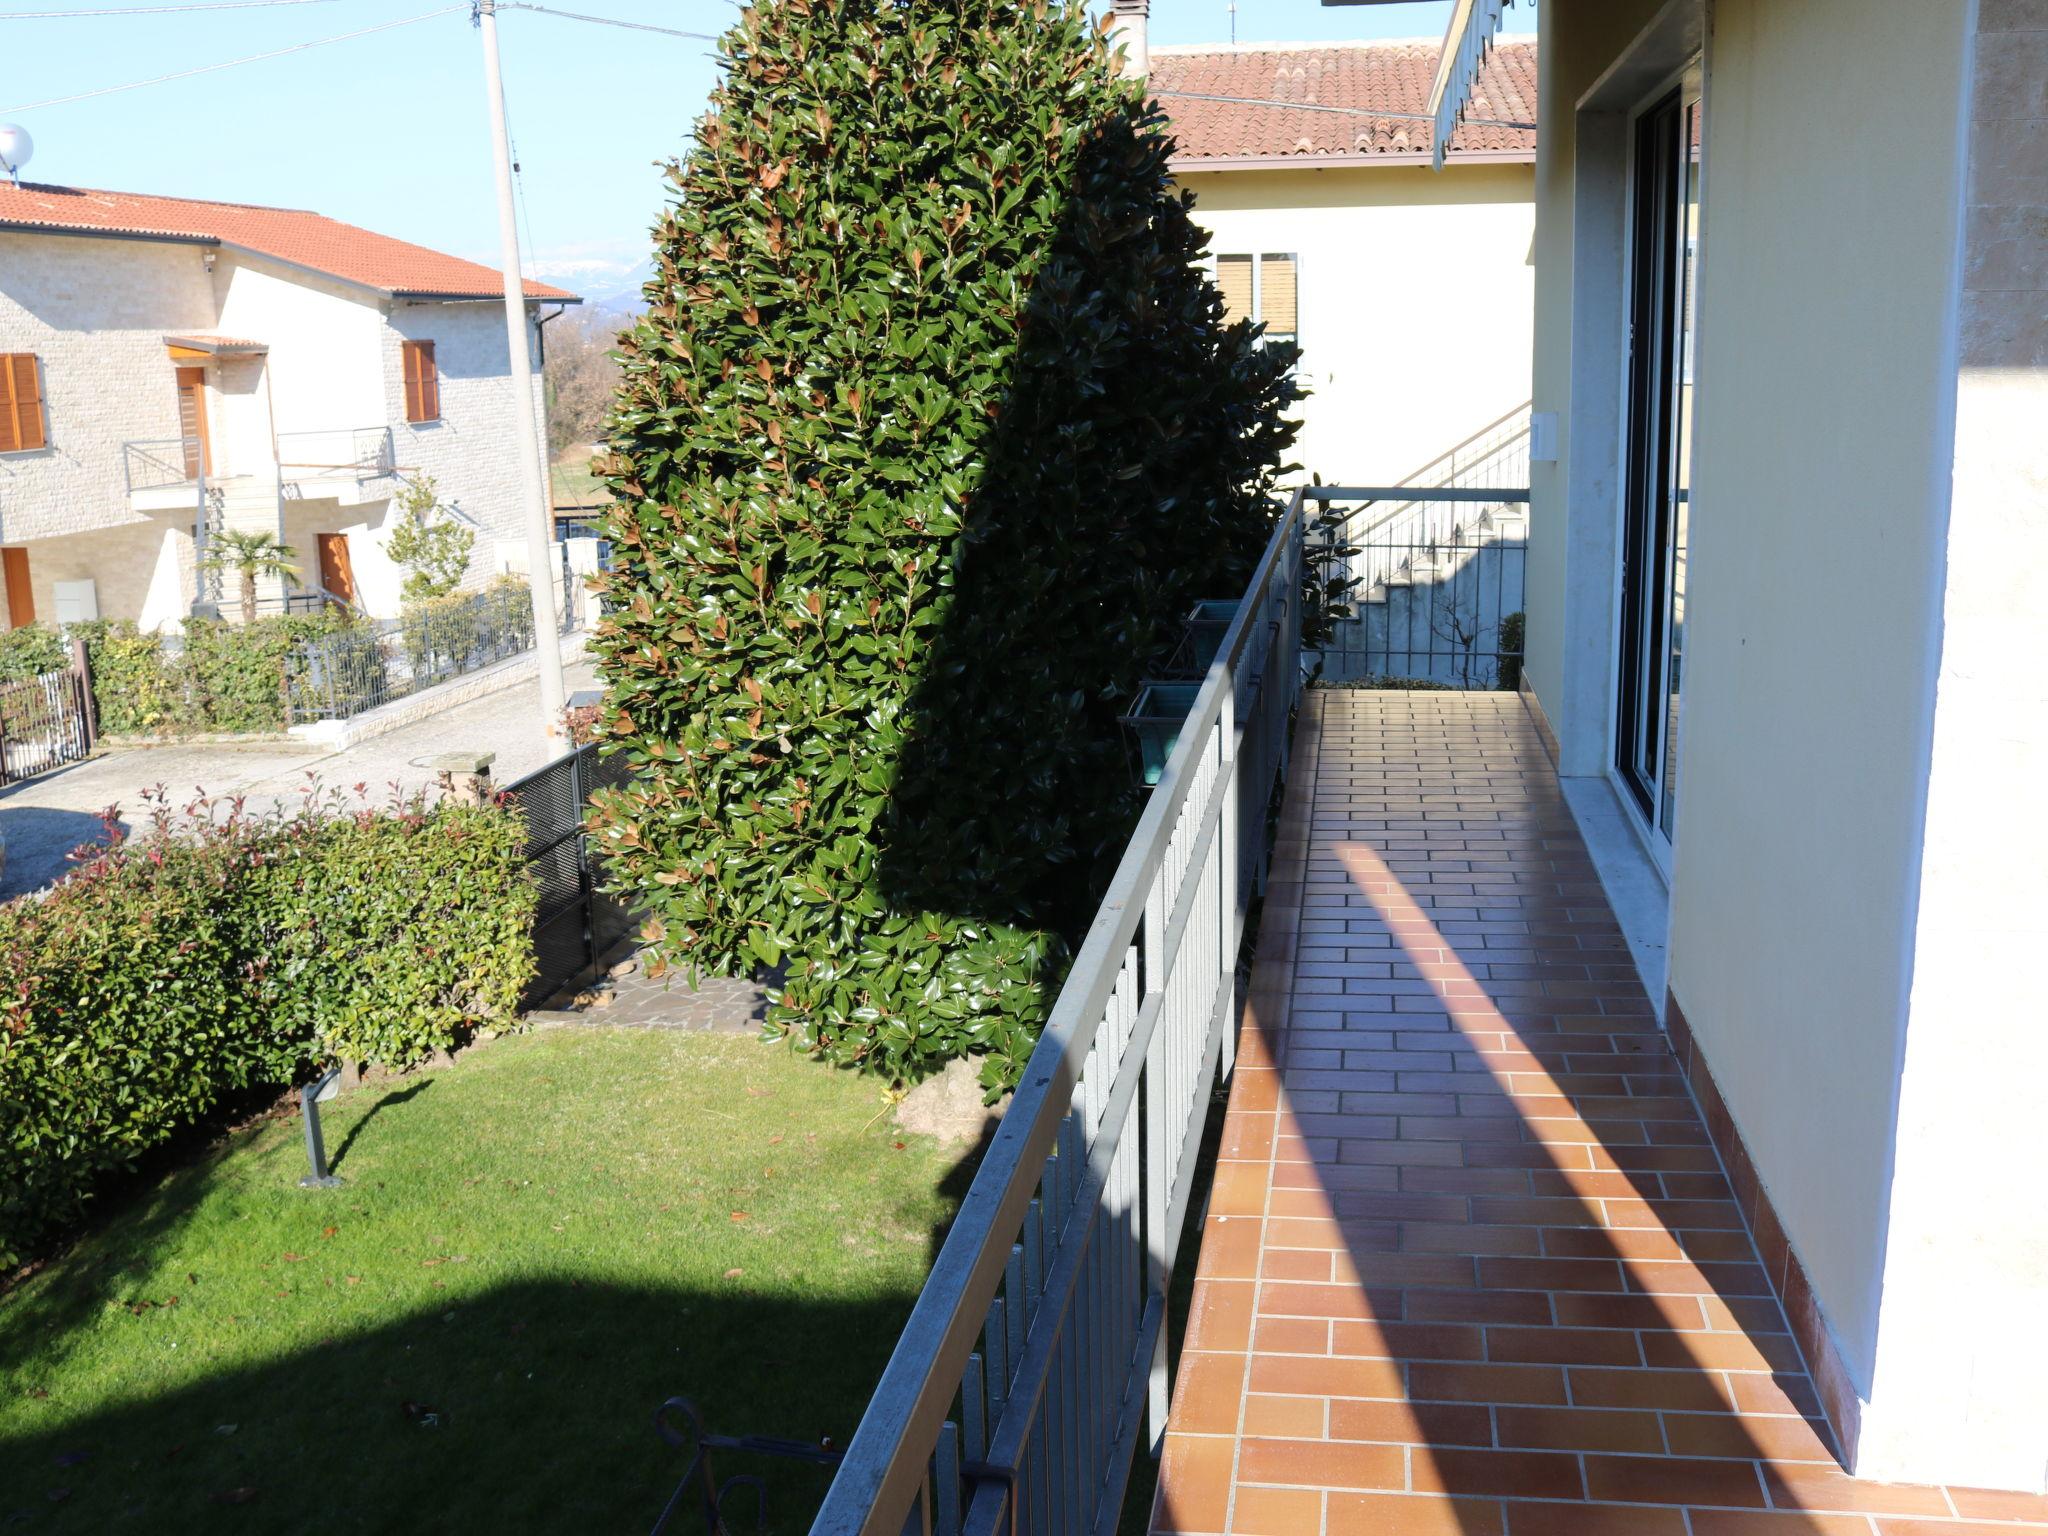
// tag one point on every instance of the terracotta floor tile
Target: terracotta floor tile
(1322, 1464)
(1497, 1474)
(1592, 1520)
(1194, 1486)
(1278, 1512)
(1207, 1393)
(1411, 1515)
(1579, 1429)
(1471, 1266)
(1729, 1522)
(1220, 1315)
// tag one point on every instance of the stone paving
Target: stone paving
(1471, 1265)
(630, 999)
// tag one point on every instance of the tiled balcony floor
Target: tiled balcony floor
(1471, 1266)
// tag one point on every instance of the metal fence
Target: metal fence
(46, 721)
(364, 452)
(1017, 1395)
(1435, 566)
(150, 465)
(577, 924)
(339, 675)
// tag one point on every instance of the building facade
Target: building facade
(1408, 290)
(179, 368)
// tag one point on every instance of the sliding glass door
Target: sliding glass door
(1664, 239)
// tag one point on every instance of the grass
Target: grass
(533, 1249)
(573, 483)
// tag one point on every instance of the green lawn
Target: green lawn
(575, 485)
(532, 1250)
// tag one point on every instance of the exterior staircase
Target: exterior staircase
(1436, 565)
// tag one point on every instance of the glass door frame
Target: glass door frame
(1643, 724)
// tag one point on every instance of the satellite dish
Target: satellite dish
(16, 149)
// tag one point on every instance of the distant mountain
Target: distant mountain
(608, 284)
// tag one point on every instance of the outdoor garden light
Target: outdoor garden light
(1155, 722)
(311, 1097)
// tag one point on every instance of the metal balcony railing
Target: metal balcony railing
(151, 464)
(362, 453)
(1020, 1387)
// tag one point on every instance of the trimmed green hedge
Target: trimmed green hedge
(31, 651)
(222, 677)
(220, 951)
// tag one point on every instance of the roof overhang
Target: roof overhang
(199, 346)
(1466, 41)
(1195, 165)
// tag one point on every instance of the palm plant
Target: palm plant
(251, 554)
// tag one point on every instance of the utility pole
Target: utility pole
(541, 575)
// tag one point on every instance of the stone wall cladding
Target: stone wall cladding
(473, 451)
(95, 313)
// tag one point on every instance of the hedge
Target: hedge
(220, 677)
(219, 951)
(931, 433)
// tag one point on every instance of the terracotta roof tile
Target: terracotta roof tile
(295, 235)
(1392, 78)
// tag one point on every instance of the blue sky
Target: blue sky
(388, 131)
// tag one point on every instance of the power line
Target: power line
(252, 58)
(606, 21)
(153, 10)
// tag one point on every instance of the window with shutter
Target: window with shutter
(422, 383)
(1263, 289)
(1278, 297)
(21, 403)
(1234, 278)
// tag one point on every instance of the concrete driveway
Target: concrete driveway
(45, 818)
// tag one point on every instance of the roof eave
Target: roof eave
(427, 296)
(1184, 164)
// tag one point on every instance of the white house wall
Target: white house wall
(472, 452)
(1416, 294)
(1826, 314)
(323, 339)
(1962, 1351)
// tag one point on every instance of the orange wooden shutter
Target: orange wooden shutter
(430, 384)
(409, 363)
(21, 403)
(422, 384)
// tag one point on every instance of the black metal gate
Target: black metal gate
(45, 721)
(576, 924)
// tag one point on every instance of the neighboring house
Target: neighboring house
(170, 368)
(1410, 292)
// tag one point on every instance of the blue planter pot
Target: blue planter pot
(1155, 724)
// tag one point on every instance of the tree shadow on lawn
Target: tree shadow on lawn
(390, 1100)
(487, 1414)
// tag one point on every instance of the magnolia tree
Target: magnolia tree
(930, 435)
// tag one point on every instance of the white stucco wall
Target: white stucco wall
(1962, 1350)
(1856, 887)
(1823, 419)
(1416, 296)
(95, 312)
